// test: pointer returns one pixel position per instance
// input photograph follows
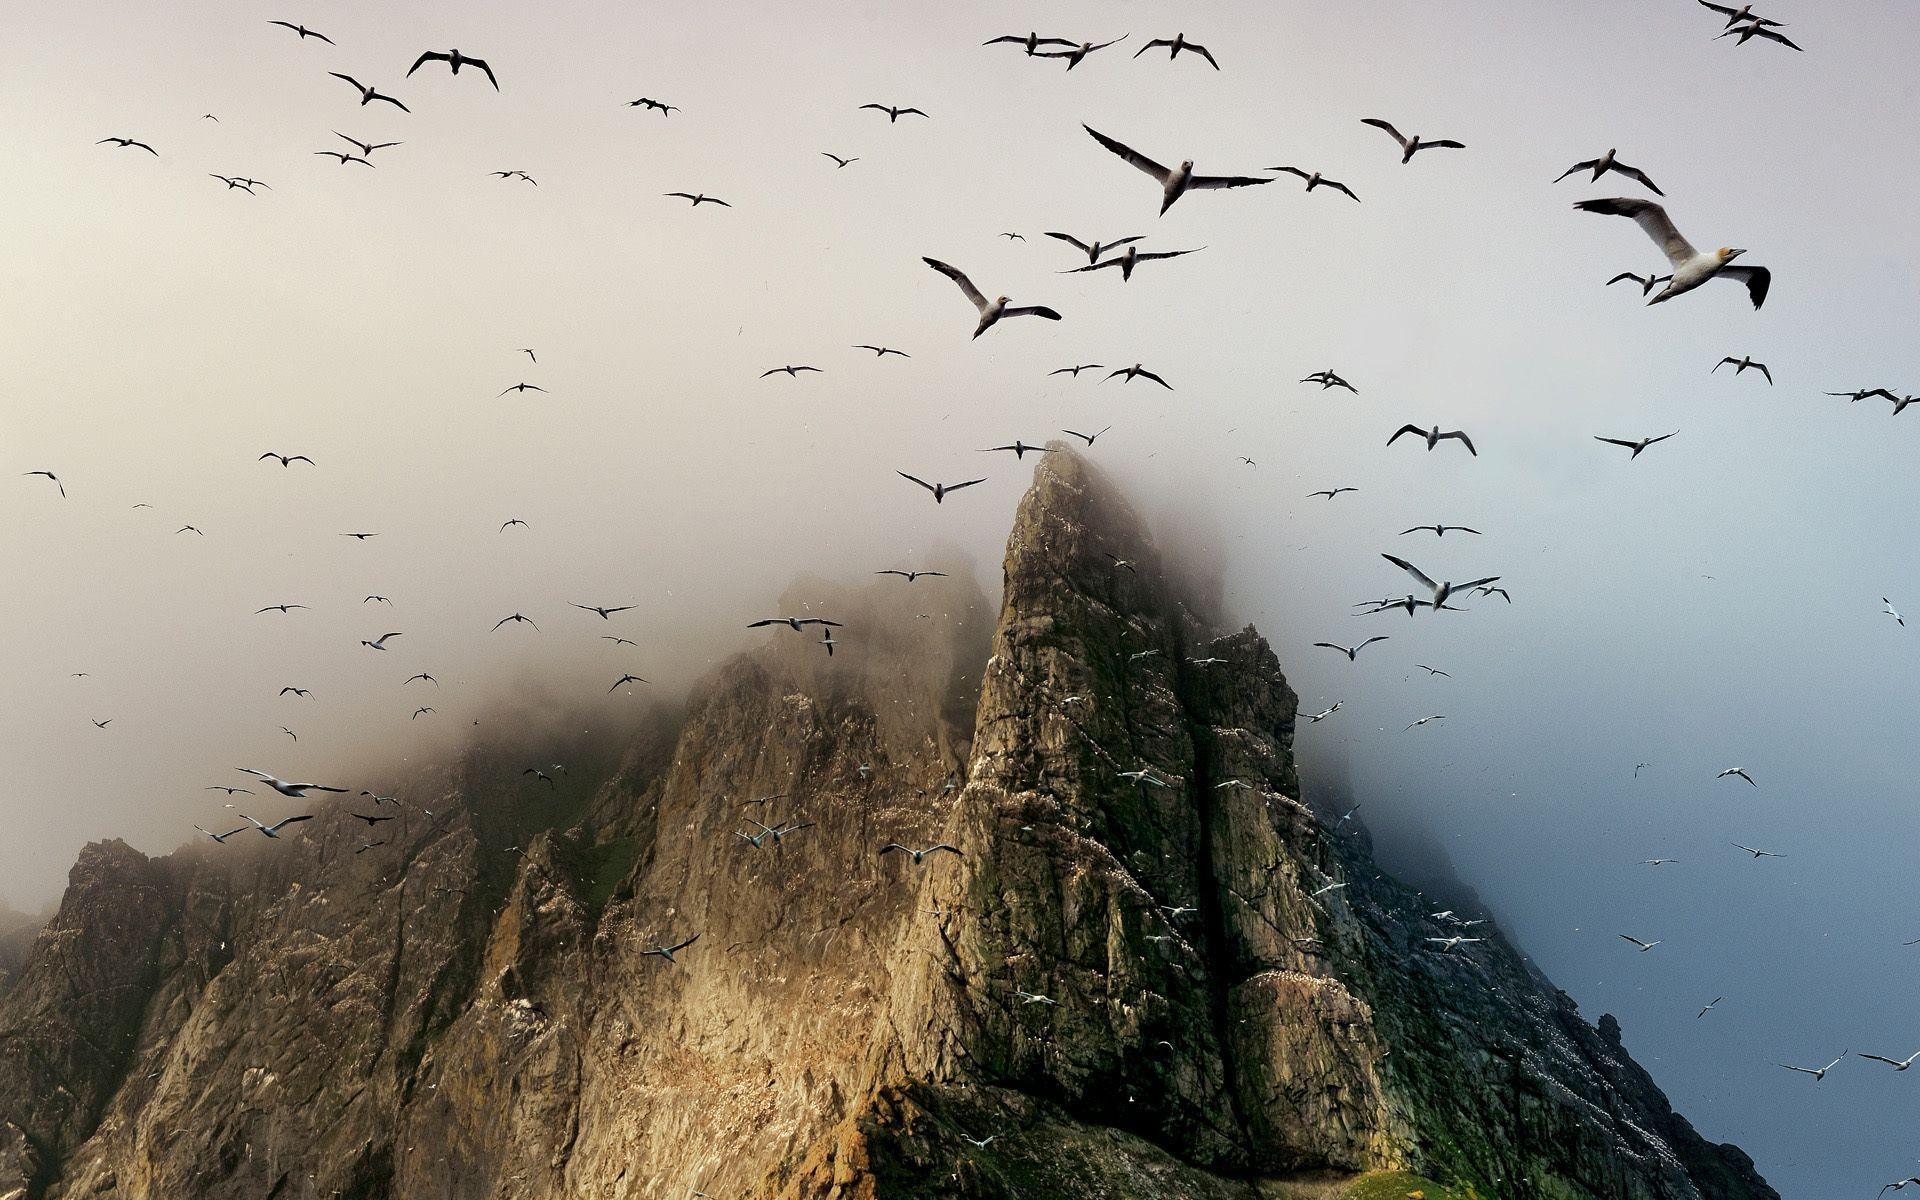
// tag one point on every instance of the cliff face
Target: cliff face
(1120, 987)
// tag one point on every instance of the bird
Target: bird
(371, 821)
(1035, 998)
(366, 148)
(304, 32)
(605, 613)
(1177, 182)
(1607, 162)
(1020, 449)
(1637, 767)
(1447, 944)
(540, 776)
(1441, 530)
(297, 790)
(1424, 720)
(700, 198)
(279, 608)
(1316, 718)
(422, 675)
(222, 837)
(1758, 30)
(273, 830)
(101, 724)
(521, 175)
(1330, 493)
(1740, 771)
(1128, 260)
(379, 799)
(939, 490)
(379, 643)
(298, 691)
(1434, 437)
(422, 711)
(780, 831)
(1135, 371)
(360, 537)
(1644, 946)
(1433, 670)
(1819, 1073)
(286, 460)
(1647, 283)
(455, 60)
(1691, 267)
(979, 1143)
(1657, 862)
(1315, 179)
(795, 623)
(1900, 403)
(826, 639)
(1080, 52)
(1897, 1064)
(991, 311)
(370, 846)
(513, 521)
(1707, 1008)
(343, 156)
(1636, 447)
(232, 183)
(191, 529)
(1014, 237)
(1030, 41)
(58, 484)
(837, 160)
(518, 618)
(618, 641)
(125, 142)
(894, 114)
(1088, 438)
(1493, 591)
(1742, 364)
(1889, 610)
(1075, 371)
(1323, 890)
(791, 372)
(1736, 15)
(666, 110)
(883, 351)
(1175, 45)
(1352, 652)
(1329, 379)
(221, 787)
(910, 576)
(624, 679)
(1440, 590)
(1757, 854)
(367, 94)
(1093, 251)
(1411, 146)
(528, 351)
(920, 856)
(1898, 1184)
(667, 952)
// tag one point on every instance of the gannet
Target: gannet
(1757, 854)
(1088, 438)
(1031, 41)
(379, 643)
(456, 60)
(367, 94)
(1607, 162)
(125, 142)
(1441, 530)
(516, 618)
(1736, 15)
(894, 114)
(1636, 447)
(1758, 30)
(273, 830)
(1691, 267)
(666, 110)
(1820, 1073)
(1315, 179)
(1353, 652)
(366, 148)
(919, 856)
(699, 198)
(1135, 371)
(1176, 182)
(883, 351)
(794, 623)
(1175, 45)
(1411, 146)
(1127, 261)
(306, 33)
(838, 161)
(1647, 283)
(667, 952)
(1707, 1008)
(286, 460)
(910, 576)
(1740, 365)
(1020, 449)
(1094, 249)
(1329, 379)
(1424, 720)
(1075, 370)
(1902, 621)
(1440, 590)
(939, 490)
(1079, 52)
(1740, 771)
(991, 311)
(1330, 493)
(297, 790)
(1434, 437)
(792, 372)
(1316, 718)
(1644, 946)
(63, 487)
(1897, 1064)
(623, 681)
(222, 837)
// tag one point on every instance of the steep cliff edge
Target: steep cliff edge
(1134, 979)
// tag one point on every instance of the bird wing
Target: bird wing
(894, 846)
(1589, 165)
(1131, 155)
(1637, 173)
(429, 56)
(1875, 1057)
(683, 945)
(954, 487)
(1412, 570)
(1168, 253)
(1071, 240)
(1377, 123)
(959, 277)
(1292, 171)
(1652, 218)
(1150, 45)
(1150, 375)
(481, 63)
(1031, 310)
(1341, 187)
(1378, 638)
(1637, 279)
(1722, 9)
(1757, 279)
(1663, 437)
(1616, 442)
(1760, 27)
(1110, 262)
(1203, 53)
(1464, 440)
(1415, 430)
(1636, 941)
(923, 483)
(1223, 181)
(350, 79)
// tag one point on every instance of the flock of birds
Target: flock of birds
(1687, 269)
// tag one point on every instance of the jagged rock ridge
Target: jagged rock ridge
(1129, 987)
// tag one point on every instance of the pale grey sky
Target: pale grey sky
(1714, 603)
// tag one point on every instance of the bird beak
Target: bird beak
(1733, 254)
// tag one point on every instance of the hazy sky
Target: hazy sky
(1714, 603)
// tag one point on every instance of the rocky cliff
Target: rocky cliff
(1153, 969)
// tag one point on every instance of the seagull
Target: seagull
(1330, 493)
(1736, 15)
(306, 33)
(883, 351)
(1440, 530)
(700, 198)
(1316, 718)
(1757, 854)
(286, 460)
(342, 155)
(456, 60)
(605, 613)
(1708, 1008)
(1094, 250)
(512, 521)
(379, 643)
(1352, 652)
(919, 855)
(791, 372)
(1088, 438)
(1440, 590)
(1175, 45)
(1433, 670)
(1740, 771)
(297, 790)
(125, 142)
(990, 310)
(1020, 449)
(1636, 447)
(624, 679)
(222, 837)
(366, 148)
(910, 576)
(63, 487)
(516, 617)
(1410, 145)
(1691, 267)
(1891, 613)
(1329, 379)
(422, 675)
(1031, 41)
(1127, 261)
(1075, 371)
(1647, 284)
(939, 490)
(1817, 1074)
(1434, 437)
(894, 114)
(667, 952)
(421, 712)
(666, 110)
(1173, 183)
(367, 94)
(279, 608)
(1137, 370)
(1607, 162)
(1759, 30)
(302, 692)
(1741, 364)
(1424, 720)
(1315, 179)
(1644, 946)
(1896, 1064)
(1075, 55)
(837, 160)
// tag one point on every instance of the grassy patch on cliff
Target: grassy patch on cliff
(1394, 1185)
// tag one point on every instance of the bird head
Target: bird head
(1728, 254)
(1187, 165)
(1001, 299)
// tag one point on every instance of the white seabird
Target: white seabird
(1691, 267)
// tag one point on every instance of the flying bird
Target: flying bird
(1440, 530)
(279, 608)
(101, 724)
(1647, 282)
(365, 148)
(1757, 854)
(304, 32)
(1636, 447)
(360, 537)
(1020, 449)
(516, 617)
(1644, 946)
(667, 952)
(513, 521)
(894, 114)
(790, 371)
(1315, 179)
(939, 490)
(623, 680)
(367, 94)
(1088, 438)
(794, 623)
(125, 142)
(1898, 1064)
(910, 576)
(1075, 371)
(1433, 670)
(920, 856)
(422, 711)
(1889, 610)
(1177, 182)
(1440, 590)
(605, 613)
(222, 837)
(1736, 15)
(1080, 52)
(883, 351)
(700, 198)
(1742, 364)
(1175, 45)
(1135, 371)
(52, 476)
(379, 643)
(1316, 718)
(1758, 30)
(1434, 437)
(1330, 493)
(1817, 1073)
(1740, 771)
(1128, 260)
(1030, 42)
(991, 311)
(1094, 249)
(1329, 379)
(1705, 1009)
(1607, 162)
(301, 692)
(666, 110)
(286, 460)
(456, 60)
(837, 160)
(1352, 652)
(296, 790)
(1424, 720)
(422, 675)
(1691, 267)
(1411, 146)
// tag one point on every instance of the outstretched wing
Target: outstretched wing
(959, 277)
(1589, 165)
(1224, 181)
(1412, 570)
(426, 57)
(1652, 218)
(1071, 240)
(923, 483)
(1133, 156)
(1637, 173)
(1757, 279)
(1031, 310)
(1377, 123)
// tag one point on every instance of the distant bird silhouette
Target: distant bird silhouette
(1315, 179)
(667, 952)
(920, 856)
(1175, 45)
(1741, 365)
(1411, 146)
(939, 490)
(910, 576)
(791, 372)
(304, 32)
(367, 94)
(1175, 182)
(623, 680)
(883, 351)
(1636, 447)
(516, 618)
(379, 643)
(52, 476)
(286, 460)
(455, 60)
(894, 114)
(1647, 283)
(666, 110)
(700, 198)
(1088, 438)
(1433, 437)
(1352, 652)
(513, 521)
(125, 142)
(1020, 449)
(1607, 162)
(1136, 371)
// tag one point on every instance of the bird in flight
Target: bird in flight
(794, 623)
(1889, 610)
(52, 476)
(1607, 162)
(1757, 854)
(1740, 771)
(1177, 182)
(279, 608)
(1818, 1073)
(379, 643)
(1328, 379)
(1691, 267)
(1330, 493)
(939, 490)
(297, 790)
(1411, 146)
(791, 372)
(910, 576)
(1433, 670)
(623, 680)
(883, 351)
(1135, 371)
(1439, 530)
(422, 675)
(919, 856)
(125, 142)
(1075, 371)
(222, 837)
(1440, 590)
(837, 160)
(1094, 249)
(1424, 720)
(1316, 718)
(343, 156)
(1636, 447)
(1030, 42)
(513, 521)
(667, 952)
(515, 175)
(1128, 260)
(991, 311)
(361, 537)
(518, 618)
(646, 102)
(894, 114)
(1742, 364)
(301, 692)
(365, 148)
(286, 460)
(367, 94)
(304, 32)
(700, 198)
(1080, 52)
(456, 60)
(1898, 1064)
(1088, 438)
(605, 613)
(1647, 283)
(1758, 30)
(1736, 15)
(1352, 652)
(1315, 179)
(1014, 237)
(1020, 449)
(1434, 437)
(1175, 45)
(1644, 946)
(245, 185)
(618, 641)
(101, 724)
